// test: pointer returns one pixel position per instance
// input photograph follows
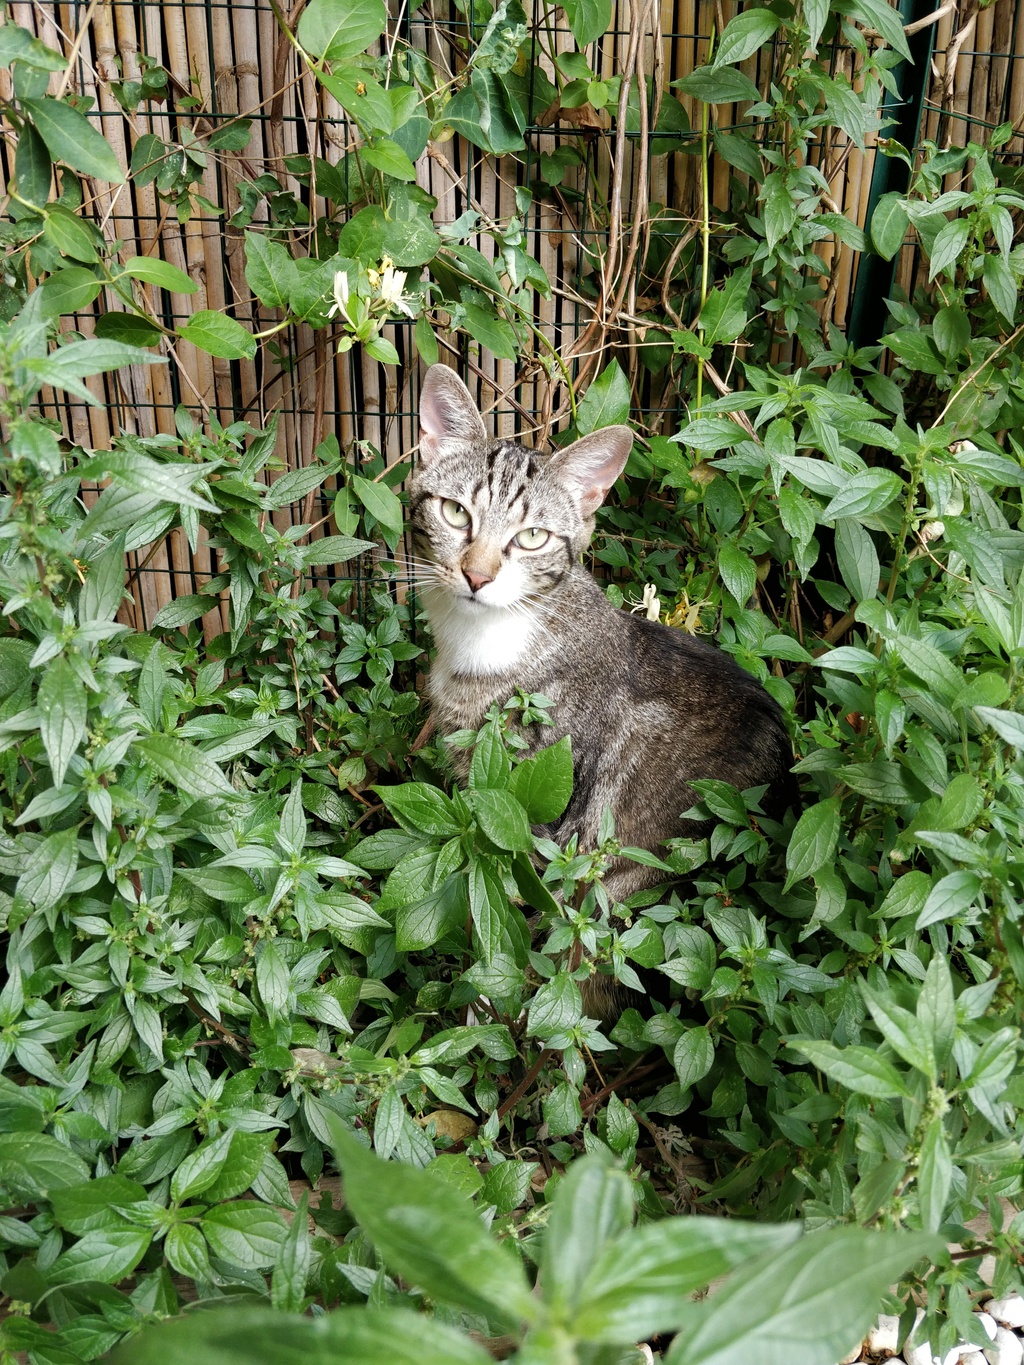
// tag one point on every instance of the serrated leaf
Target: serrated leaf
(812, 844)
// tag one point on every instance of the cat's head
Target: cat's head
(498, 522)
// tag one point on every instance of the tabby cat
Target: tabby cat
(499, 531)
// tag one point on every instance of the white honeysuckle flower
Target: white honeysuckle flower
(392, 288)
(651, 603)
(341, 294)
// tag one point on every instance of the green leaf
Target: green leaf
(693, 1055)
(857, 559)
(148, 158)
(93, 1205)
(67, 366)
(951, 895)
(812, 845)
(199, 1171)
(151, 270)
(288, 1285)
(737, 571)
(71, 138)
(182, 611)
(903, 1031)
(543, 784)
(889, 224)
(744, 34)
(491, 331)
(930, 665)
(561, 1109)
(719, 85)
(247, 1234)
(593, 1205)
(501, 818)
(50, 869)
(71, 235)
(864, 494)
(1001, 284)
(334, 550)
(70, 290)
(430, 1235)
(640, 1284)
(488, 905)
(724, 315)
(184, 766)
(788, 1308)
(378, 499)
(369, 1336)
(335, 29)
(33, 1164)
(1008, 725)
(219, 335)
(856, 1068)
(588, 19)
(606, 402)
(386, 156)
(62, 713)
(947, 246)
(105, 1256)
(423, 807)
(270, 271)
(361, 96)
(129, 328)
(934, 1176)
(880, 15)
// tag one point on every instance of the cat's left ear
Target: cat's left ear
(592, 464)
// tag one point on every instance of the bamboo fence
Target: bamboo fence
(231, 57)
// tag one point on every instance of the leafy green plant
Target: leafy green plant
(603, 1284)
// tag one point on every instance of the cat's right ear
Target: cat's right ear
(447, 413)
(592, 464)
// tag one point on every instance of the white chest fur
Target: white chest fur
(475, 639)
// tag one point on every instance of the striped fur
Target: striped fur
(648, 708)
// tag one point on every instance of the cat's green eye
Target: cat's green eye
(533, 538)
(455, 514)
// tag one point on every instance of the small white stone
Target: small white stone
(987, 1323)
(919, 1354)
(1008, 1311)
(1005, 1349)
(973, 1358)
(853, 1356)
(883, 1339)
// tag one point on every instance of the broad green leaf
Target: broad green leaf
(593, 1205)
(803, 1305)
(588, 19)
(724, 315)
(67, 366)
(857, 559)
(129, 328)
(199, 1171)
(246, 1234)
(488, 904)
(880, 15)
(543, 784)
(334, 550)
(934, 1176)
(386, 156)
(70, 290)
(423, 807)
(719, 85)
(491, 331)
(106, 1256)
(71, 235)
(62, 713)
(856, 1068)
(219, 335)
(903, 1031)
(951, 895)
(889, 224)
(641, 1283)
(812, 845)
(91, 1206)
(693, 1055)
(947, 245)
(606, 402)
(1001, 284)
(288, 1285)
(70, 137)
(33, 1164)
(429, 1235)
(270, 271)
(151, 270)
(929, 664)
(378, 499)
(335, 29)
(501, 818)
(369, 1336)
(737, 571)
(184, 766)
(1008, 725)
(744, 34)
(864, 494)
(50, 869)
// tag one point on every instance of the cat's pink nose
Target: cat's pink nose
(476, 580)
